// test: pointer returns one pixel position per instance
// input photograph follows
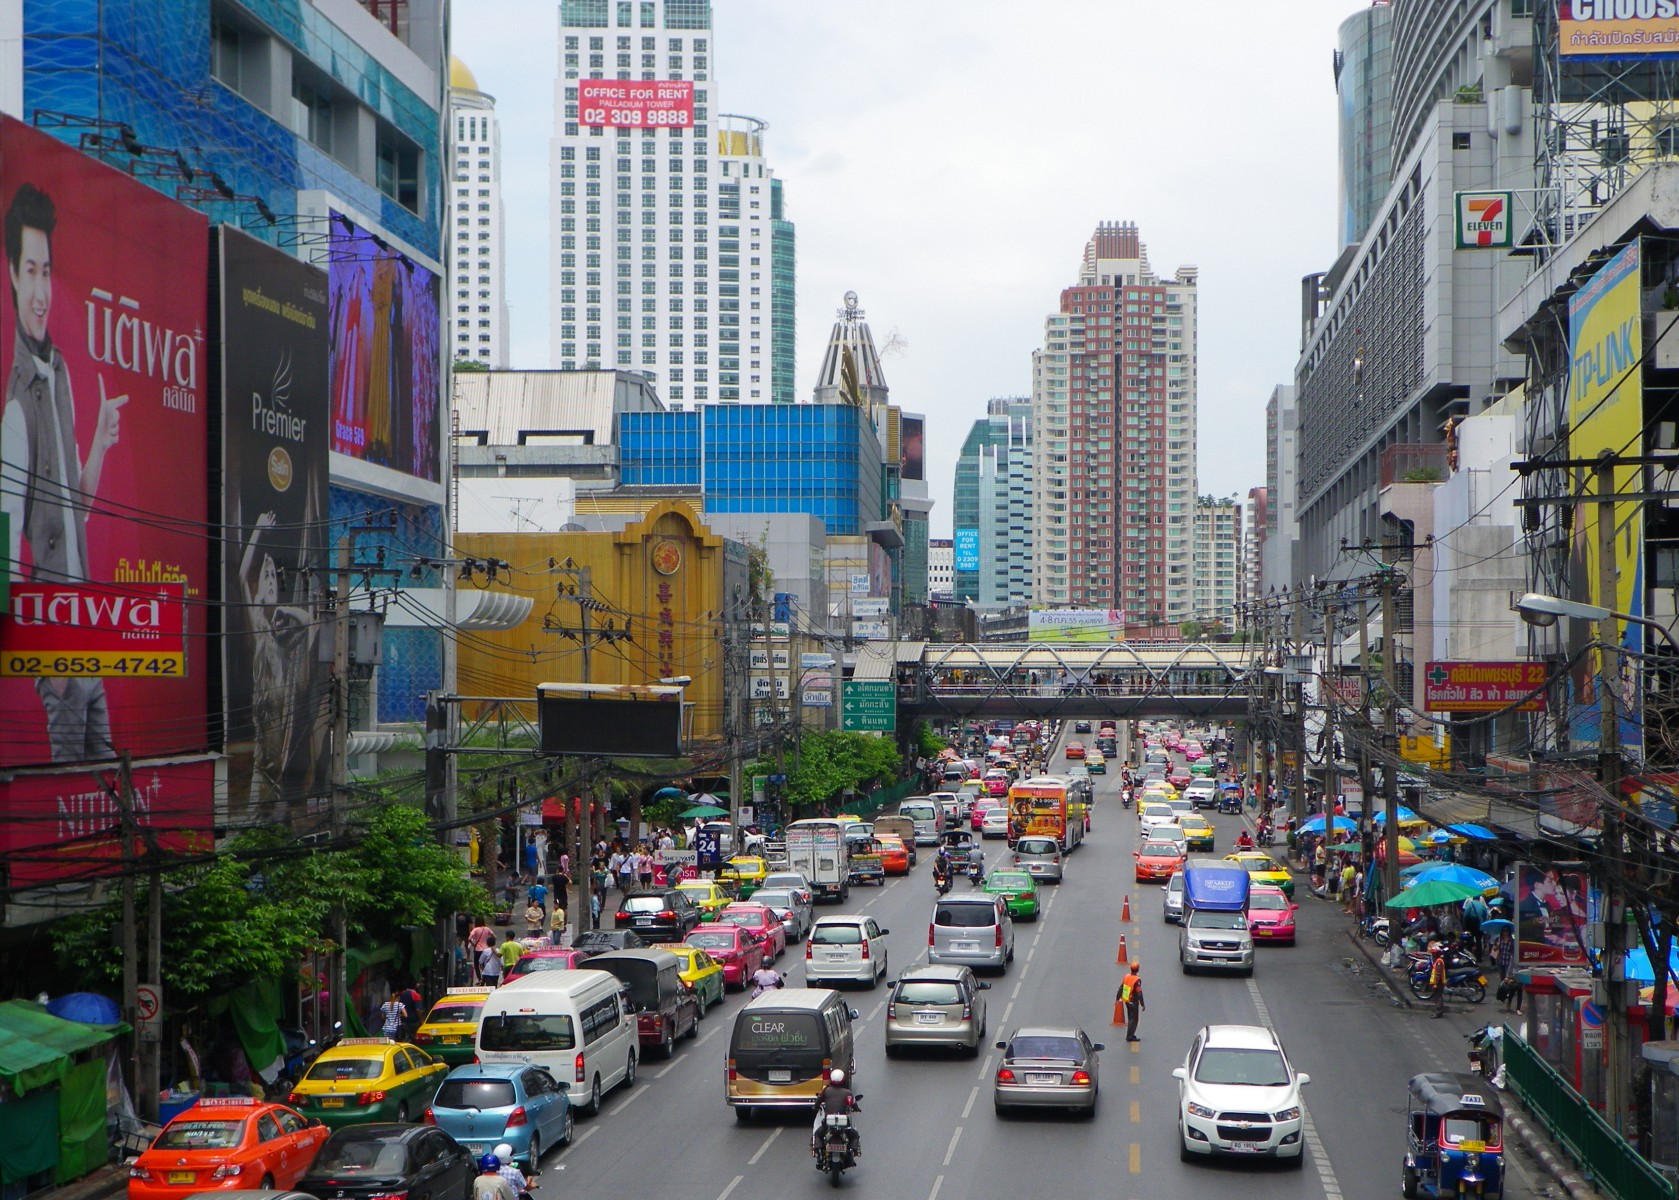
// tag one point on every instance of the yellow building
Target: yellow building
(664, 597)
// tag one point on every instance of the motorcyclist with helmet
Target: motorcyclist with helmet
(489, 1185)
(765, 979)
(510, 1170)
(835, 1097)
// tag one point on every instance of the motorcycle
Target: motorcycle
(1462, 983)
(837, 1144)
(976, 873)
(941, 882)
(1376, 929)
(1485, 1047)
(1266, 836)
(1125, 798)
(301, 1053)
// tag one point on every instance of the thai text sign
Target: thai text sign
(621, 104)
(62, 631)
(1618, 28)
(1483, 686)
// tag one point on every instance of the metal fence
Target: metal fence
(1615, 1168)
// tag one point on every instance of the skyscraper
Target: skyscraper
(478, 266)
(664, 214)
(993, 505)
(1114, 427)
(1217, 561)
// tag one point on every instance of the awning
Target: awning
(876, 660)
(36, 1048)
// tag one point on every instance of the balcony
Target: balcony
(1414, 462)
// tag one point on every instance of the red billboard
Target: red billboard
(67, 826)
(622, 104)
(1484, 686)
(103, 460)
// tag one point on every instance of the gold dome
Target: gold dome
(460, 76)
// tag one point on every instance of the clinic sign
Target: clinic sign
(622, 104)
(1483, 220)
(1484, 687)
(1610, 29)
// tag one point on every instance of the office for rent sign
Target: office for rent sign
(623, 104)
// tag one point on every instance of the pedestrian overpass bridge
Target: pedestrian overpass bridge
(1076, 679)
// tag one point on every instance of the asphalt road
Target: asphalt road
(928, 1127)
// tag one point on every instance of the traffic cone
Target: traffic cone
(1125, 915)
(1122, 958)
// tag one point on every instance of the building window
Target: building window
(225, 48)
(312, 109)
(399, 169)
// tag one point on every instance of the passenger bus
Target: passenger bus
(1039, 807)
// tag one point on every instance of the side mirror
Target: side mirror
(1098, 1046)
(852, 1013)
(984, 986)
(1179, 1073)
(884, 932)
(1002, 1045)
(1302, 1079)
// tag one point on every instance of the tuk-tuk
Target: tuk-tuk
(1454, 1138)
(866, 865)
(959, 842)
(1230, 798)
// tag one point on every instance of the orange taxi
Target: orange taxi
(1158, 859)
(894, 855)
(226, 1142)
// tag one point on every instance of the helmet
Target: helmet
(489, 1163)
(503, 1152)
(836, 1076)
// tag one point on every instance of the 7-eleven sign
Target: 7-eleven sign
(1483, 221)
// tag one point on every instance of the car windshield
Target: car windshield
(475, 1093)
(965, 916)
(530, 964)
(522, 1032)
(1459, 1129)
(774, 898)
(647, 904)
(1162, 811)
(329, 1071)
(1035, 846)
(1159, 850)
(1046, 1047)
(361, 1156)
(1010, 879)
(200, 1135)
(1258, 866)
(711, 940)
(836, 935)
(1234, 1065)
(1272, 902)
(929, 991)
(786, 881)
(1219, 920)
(751, 920)
(455, 1014)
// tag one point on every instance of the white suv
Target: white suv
(1238, 1095)
(845, 949)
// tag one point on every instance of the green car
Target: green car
(1018, 890)
(1201, 766)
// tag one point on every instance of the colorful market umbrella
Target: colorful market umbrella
(702, 811)
(1315, 825)
(1496, 925)
(1470, 830)
(1406, 816)
(1433, 892)
(1647, 997)
(1455, 873)
(1638, 964)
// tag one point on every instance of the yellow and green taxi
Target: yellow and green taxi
(1159, 789)
(1096, 762)
(1197, 831)
(368, 1079)
(699, 972)
(1262, 868)
(1018, 890)
(747, 871)
(709, 897)
(450, 1028)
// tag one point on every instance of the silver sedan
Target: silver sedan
(1048, 1066)
(794, 912)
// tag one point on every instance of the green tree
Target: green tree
(927, 743)
(832, 761)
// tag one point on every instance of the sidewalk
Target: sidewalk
(99, 1184)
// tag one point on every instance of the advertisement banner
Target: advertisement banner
(1484, 687)
(621, 104)
(1484, 221)
(103, 461)
(386, 382)
(1618, 29)
(275, 465)
(67, 826)
(965, 551)
(1606, 412)
(912, 447)
(1076, 625)
(1551, 915)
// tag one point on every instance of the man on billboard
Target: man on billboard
(48, 491)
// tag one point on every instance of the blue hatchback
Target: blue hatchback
(483, 1105)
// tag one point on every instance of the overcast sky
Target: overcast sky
(948, 160)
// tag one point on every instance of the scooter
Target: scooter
(1485, 1049)
(301, 1053)
(837, 1144)
(1462, 983)
(976, 874)
(1377, 930)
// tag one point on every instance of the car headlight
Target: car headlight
(1198, 1110)
(1288, 1114)
(1472, 1161)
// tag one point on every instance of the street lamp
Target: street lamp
(1542, 611)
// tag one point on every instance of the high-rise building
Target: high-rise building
(1255, 528)
(941, 569)
(1216, 561)
(1364, 89)
(993, 506)
(665, 216)
(1114, 429)
(1282, 476)
(478, 265)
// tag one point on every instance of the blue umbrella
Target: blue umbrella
(88, 1008)
(1638, 964)
(1470, 830)
(1454, 873)
(1497, 925)
(1315, 825)
(1405, 814)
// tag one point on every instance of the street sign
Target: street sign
(148, 1011)
(680, 856)
(709, 847)
(869, 706)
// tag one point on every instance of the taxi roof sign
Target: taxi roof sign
(227, 1102)
(378, 1041)
(466, 989)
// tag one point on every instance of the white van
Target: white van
(928, 815)
(577, 1024)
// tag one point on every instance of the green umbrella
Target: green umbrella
(1431, 892)
(702, 810)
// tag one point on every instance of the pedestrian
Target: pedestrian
(416, 1005)
(538, 894)
(1130, 994)
(1504, 957)
(478, 939)
(1474, 911)
(489, 966)
(557, 921)
(1437, 976)
(392, 1013)
(1349, 885)
(535, 919)
(510, 950)
(644, 867)
(626, 870)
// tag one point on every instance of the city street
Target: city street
(928, 1125)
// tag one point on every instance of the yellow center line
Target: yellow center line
(1136, 1074)
(1136, 1113)
(1135, 1047)
(1136, 1157)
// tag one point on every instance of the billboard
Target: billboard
(965, 550)
(386, 381)
(621, 104)
(912, 447)
(1606, 412)
(275, 465)
(103, 461)
(1484, 687)
(1075, 625)
(1484, 221)
(1618, 28)
(67, 826)
(572, 721)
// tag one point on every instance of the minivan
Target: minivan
(578, 1025)
(972, 930)
(782, 1047)
(1039, 857)
(928, 816)
(664, 1009)
(851, 948)
(936, 1006)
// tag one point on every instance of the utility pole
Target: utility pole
(1331, 779)
(130, 931)
(1297, 805)
(1390, 738)
(1618, 1043)
(340, 767)
(1368, 805)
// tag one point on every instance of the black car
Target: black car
(599, 941)
(659, 916)
(417, 1161)
(1081, 726)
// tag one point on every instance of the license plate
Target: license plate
(964, 945)
(451, 1040)
(332, 1102)
(1244, 1148)
(1039, 1077)
(644, 920)
(181, 1176)
(781, 1077)
(835, 956)
(931, 1018)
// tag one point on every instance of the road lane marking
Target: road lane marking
(985, 1067)
(577, 1141)
(1006, 1011)
(1136, 1076)
(1016, 993)
(950, 1151)
(1309, 1129)
(668, 1068)
(1136, 1112)
(875, 1011)
(733, 1184)
(769, 1141)
(632, 1097)
(968, 1108)
(938, 1183)
(1031, 950)
(1135, 1155)
(1134, 1047)
(706, 1037)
